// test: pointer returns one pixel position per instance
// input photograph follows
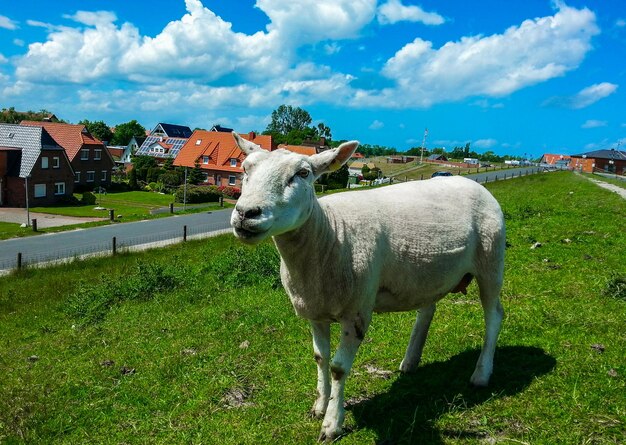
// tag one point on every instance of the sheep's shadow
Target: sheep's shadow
(406, 413)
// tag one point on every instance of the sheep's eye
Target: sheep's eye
(303, 173)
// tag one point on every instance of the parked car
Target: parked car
(441, 174)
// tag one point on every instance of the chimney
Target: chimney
(252, 135)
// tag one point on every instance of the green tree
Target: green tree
(195, 176)
(125, 132)
(287, 118)
(98, 129)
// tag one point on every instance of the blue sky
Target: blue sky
(529, 77)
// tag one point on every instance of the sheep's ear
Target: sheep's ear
(331, 160)
(246, 146)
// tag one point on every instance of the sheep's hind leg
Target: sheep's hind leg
(490, 300)
(352, 333)
(414, 350)
(321, 349)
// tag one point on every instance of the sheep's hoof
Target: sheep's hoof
(479, 380)
(408, 368)
(330, 437)
(316, 414)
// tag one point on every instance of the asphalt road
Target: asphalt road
(55, 246)
(75, 243)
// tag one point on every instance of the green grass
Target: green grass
(198, 343)
(132, 205)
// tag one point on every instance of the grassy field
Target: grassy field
(197, 343)
(132, 205)
(413, 170)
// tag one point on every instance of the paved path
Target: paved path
(44, 220)
(612, 187)
(75, 243)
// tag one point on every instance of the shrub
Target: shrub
(197, 194)
(229, 191)
(88, 198)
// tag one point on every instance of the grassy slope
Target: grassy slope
(178, 318)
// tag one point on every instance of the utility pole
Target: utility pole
(185, 192)
(423, 144)
(27, 208)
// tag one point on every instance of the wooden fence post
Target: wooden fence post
(184, 233)
(19, 260)
(114, 245)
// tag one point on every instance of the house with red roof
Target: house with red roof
(218, 156)
(34, 169)
(90, 160)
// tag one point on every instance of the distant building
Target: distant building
(609, 161)
(31, 162)
(164, 141)
(557, 160)
(91, 161)
(218, 156)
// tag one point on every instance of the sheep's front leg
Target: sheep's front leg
(352, 333)
(321, 350)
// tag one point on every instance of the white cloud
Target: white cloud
(492, 66)
(182, 65)
(18, 42)
(485, 143)
(309, 21)
(7, 23)
(394, 11)
(3, 59)
(376, 125)
(332, 48)
(593, 123)
(620, 23)
(585, 97)
(592, 94)
(90, 18)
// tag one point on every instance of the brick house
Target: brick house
(31, 160)
(557, 160)
(609, 161)
(91, 161)
(218, 155)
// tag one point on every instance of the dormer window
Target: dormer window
(205, 159)
(233, 162)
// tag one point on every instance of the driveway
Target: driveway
(44, 220)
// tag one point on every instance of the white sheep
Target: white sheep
(346, 255)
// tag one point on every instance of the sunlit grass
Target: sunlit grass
(197, 343)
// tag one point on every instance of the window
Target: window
(56, 163)
(104, 175)
(59, 188)
(232, 179)
(90, 176)
(97, 155)
(44, 162)
(84, 155)
(77, 177)
(205, 159)
(233, 162)
(40, 190)
(205, 177)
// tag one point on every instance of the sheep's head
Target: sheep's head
(277, 192)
